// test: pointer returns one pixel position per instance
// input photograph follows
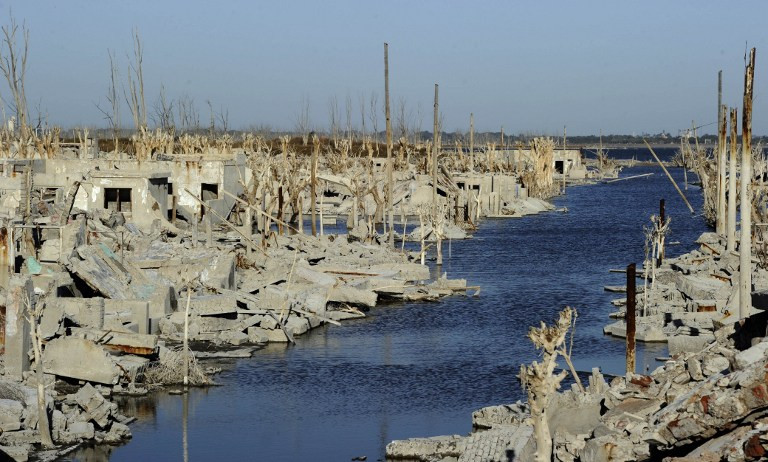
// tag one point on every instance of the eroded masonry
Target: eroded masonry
(113, 264)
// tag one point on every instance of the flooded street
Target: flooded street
(420, 369)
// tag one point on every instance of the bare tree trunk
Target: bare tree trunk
(186, 336)
(471, 137)
(745, 266)
(731, 232)
(37, 346)
(721, 164)
(313, 184)
(722, 129)
(390, 211)
(435, 150)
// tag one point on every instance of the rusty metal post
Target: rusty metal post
(631, 313)
(662, 220)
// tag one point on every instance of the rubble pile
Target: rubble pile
(709, 405)
(83, 415)
(690, 296)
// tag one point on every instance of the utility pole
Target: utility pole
(390, 212)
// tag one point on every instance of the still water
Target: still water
(420, 369)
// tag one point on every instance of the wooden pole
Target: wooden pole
(313, 183)
(631, 314)
(435, 150)
(280, 210)
(670, 177)
(745, 244)
(471, 135)
(564, 156)
(186, 336)
(390, 211)
(731, 230)
(662, 220)
(721, 150)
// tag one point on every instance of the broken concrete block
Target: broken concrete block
(276, 335)
(208, 305)
(51, 319)
(606, 448)
(712, 365)
(257, 335)
(16, 453)
(296, 325)
(268, 322)
(215, 323)
(353, 296)
(162, 301)
(127, 342)
(117, 432)
(81, 430)
(751, 355)
(17, 338)
(93, 403)
(314, 277)
(220, 273)
(79, 359)
(92, 313)
(694, 369)
(233, 337)
(10, 415)
(689, 343)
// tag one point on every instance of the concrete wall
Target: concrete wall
(191, 174)
(187, 172)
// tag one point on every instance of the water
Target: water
(420, 369)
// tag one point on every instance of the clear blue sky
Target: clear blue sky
(531, 66)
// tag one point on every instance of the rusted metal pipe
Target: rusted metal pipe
(630, 317)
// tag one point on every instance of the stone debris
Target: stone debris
(126, 259)
(690, 296)
(690, 403)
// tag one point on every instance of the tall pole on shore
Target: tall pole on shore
(435, 150)
(313, 184)
(631, 314)
(745, 254)
(390, 211)
(731, 225)
(565, 155)
(471, 138)
(721, 131)
(722, 128)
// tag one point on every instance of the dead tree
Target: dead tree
(34, 314)
(540, 381)
(135, 92)
(13, 63)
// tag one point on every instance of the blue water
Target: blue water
(420, 369)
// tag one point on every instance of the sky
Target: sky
(529, 66)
